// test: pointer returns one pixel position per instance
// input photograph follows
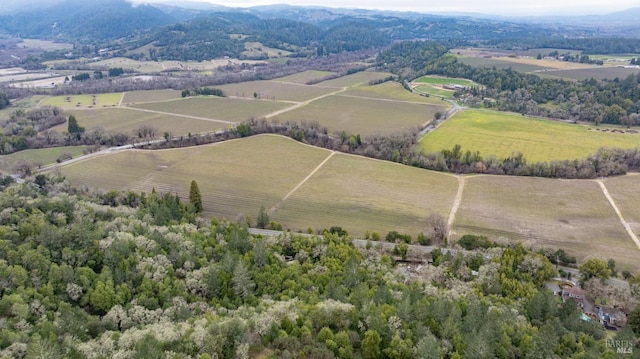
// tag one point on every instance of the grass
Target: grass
(364, 116)
(391, 91)
(598, 73)
(361, 194)
(217, 108)
(84, 101)
(573, 215)
(45, 45)
(235, 177)
(434, 80)
(625, 191)
(501, 63)
(25, 104)
(305, 76)
(127, 120)
(274, 90)
(501, 134)
(150, 96)
(358, 78)
(44, 156)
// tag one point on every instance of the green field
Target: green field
(501, 134)
(134, 97)
(217, 108)
(541, 212)
(361, 194)
(274, 90)
(305, 76)
(84, 101)
(434, 80)
(43, 156)
(127, 120)
(433, 85)
(391, 91)
(364, 116)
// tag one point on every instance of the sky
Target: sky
(496, 7)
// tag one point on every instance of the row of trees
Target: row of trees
(80, 278)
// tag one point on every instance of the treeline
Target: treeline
(204, 91)
(588, 45)
(83, 276)
(569, 57)
(400, 148)
(615, 101)
(408, 58)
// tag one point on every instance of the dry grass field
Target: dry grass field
(598, 73)
(501, 134)
(127, 120)
(501, 64)
(274, 90)
(84, 101)
(44, 156)
(134, 97)
(625, 191)
(235, 177)
(573, 215)
(366, 116)
(217, 108)
(361, 194)
(358, 78)
(391, 91)
(304, 77)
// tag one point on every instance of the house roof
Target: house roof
(575, 291)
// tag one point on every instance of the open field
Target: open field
(255, 49)
(274, 90)
(573, 215)
(84, 101)
(44, 45)
(625, 191)
(598, 73)
(48, 82)
(433, 85)
(235, 177)
(127, 120)
(44, 156)
(134, 97)
(304, 77)
(436, 80)
(25, 104)
(391, 91)
(361, 194)
(217, 108)
(501, 134)
(364, 116)
(500, 64)
(362, 77)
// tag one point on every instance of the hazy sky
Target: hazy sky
(499, 7)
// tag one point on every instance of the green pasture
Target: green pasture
(25, 104)
(391, 91)
(502, 134)
(134, 97)
(274, 90)
(127, 120)
(43, 156)
(541, 212)
(361, 194)
(235, 177)
(84, 101)
(365, 116)
(358, 78)
(217, 108)
(305, 76)
(625, 191)
(435, 80)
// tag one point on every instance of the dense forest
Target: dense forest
(141, 275)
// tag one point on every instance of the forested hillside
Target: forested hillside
(139, 275)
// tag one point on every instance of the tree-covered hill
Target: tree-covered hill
(84, 21)
(139, 275)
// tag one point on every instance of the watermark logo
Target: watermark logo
(621, 346)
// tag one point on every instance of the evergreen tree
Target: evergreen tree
(73, 127)
(195, 199)
(263, 218)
